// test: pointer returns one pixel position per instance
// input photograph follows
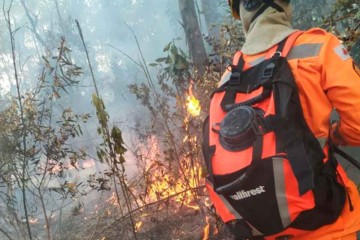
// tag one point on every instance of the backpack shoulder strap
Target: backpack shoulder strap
(236, 58)
(238, 62)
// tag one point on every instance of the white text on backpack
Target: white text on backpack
(246, 194)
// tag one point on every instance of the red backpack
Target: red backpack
(266, 170)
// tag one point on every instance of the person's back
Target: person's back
(326, 78)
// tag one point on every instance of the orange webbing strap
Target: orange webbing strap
(236, 58)
(271, 51)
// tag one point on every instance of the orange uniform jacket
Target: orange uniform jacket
(327, 78)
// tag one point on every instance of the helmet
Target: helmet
(250, 5)
(235, 8)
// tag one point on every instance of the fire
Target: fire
(33, 220)
(89, 163)
(138, 226)
(192, 103)
(163, 184)
(193, 106)
(206, 234)
(55, 167)
(112, 200)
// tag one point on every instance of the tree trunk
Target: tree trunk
(193, 34)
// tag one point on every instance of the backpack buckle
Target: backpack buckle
(269, 70)
(235, 78)
(276, 55)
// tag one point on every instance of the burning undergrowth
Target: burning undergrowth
(165, 199)
(168, 199)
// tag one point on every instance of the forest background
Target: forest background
(101, 110)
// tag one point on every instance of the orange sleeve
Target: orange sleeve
(341, 83)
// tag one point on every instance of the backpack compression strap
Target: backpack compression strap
(299, 153)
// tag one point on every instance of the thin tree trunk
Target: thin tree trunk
(193, 34)
(47, 222)
(23, 132)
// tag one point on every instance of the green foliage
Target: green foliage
(173, 80)
(45, 129)
(175, 67)
(35, 137)
(309, 13)
(77, 209)
(344, 22)
(117, 139)
(113, 142)
(142, 93)
(340, 17)
(101, 113)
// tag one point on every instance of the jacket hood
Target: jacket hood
(268, 29)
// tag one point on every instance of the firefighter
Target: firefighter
(327, 79)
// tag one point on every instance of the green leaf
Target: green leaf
(122, 159)
(116, 135)
(181, 63)
(100, 156)
(102, 115)
(167, 47)
(161, 59)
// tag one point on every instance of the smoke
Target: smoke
(137, 28)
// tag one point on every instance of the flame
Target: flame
(192, 103)
(206, 233)
(207, 202)
(89, 163)
(138, 225)
(165, 185)
(193, 106)
(215, 231)
(112, 200)
(33, 220)
(55, 166)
